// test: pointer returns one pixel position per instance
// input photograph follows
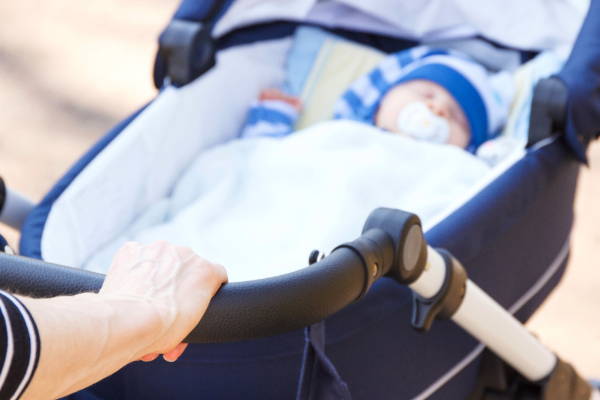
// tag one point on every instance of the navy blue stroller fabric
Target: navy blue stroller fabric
(581, 74)
(318, 377)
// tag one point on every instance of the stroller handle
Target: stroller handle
(239, 311)
(264, 307)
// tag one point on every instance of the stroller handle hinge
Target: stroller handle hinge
(408, 242)
(391, 244)
(438, 291)
(375, 249)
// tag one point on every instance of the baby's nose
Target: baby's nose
(438, 109)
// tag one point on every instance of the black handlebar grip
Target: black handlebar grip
(35, 278)
(266, 307)
(239, 311)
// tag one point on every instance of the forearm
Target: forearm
(86, 338)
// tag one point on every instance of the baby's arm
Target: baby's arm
(273, 114)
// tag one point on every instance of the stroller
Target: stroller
(252, 342)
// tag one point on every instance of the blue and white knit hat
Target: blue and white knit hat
(484, 99)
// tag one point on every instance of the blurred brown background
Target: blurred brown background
(69, 70)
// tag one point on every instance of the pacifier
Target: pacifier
(419, 122)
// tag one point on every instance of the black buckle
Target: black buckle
(548, 109)
(186, 50)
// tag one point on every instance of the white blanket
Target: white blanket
(259, 206)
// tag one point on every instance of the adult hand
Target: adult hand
(171, 283)
(152, 297)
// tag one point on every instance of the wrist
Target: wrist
(115, 320)
(135, 321)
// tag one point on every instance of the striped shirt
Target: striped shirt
(19, 347)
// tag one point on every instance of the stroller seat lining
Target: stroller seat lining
(155, 149)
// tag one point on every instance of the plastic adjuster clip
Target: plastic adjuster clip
(448, 299)
(548, 109)
(187, 49)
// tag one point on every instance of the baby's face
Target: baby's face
(439, 101)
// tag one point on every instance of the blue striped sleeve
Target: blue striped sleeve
(272, 118)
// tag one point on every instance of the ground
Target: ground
(70, 70)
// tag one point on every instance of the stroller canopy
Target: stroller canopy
(534, 25)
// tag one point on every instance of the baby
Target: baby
(427, 94)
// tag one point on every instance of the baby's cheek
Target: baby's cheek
(388, 111)
(389, 122)
(383, 119)
(458, 136)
